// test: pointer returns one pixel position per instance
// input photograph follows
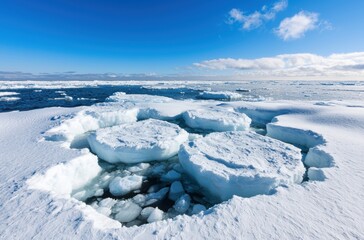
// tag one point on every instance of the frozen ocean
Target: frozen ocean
(182, 159)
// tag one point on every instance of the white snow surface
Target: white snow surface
(241, 163)
(329, 208)
(142, 141)
(215, 119)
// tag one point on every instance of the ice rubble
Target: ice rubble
(138, 142)
(216, 119)
(241, 163)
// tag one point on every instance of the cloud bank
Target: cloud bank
(303, 66)
(256, 19)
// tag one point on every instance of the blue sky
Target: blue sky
(176, 37)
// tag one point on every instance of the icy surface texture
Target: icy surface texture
(241, 163)
(138, 142)
(219, 120)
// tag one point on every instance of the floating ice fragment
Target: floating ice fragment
(183, 203)
(198, 208)
(145, 213)
(176, 191)
(127, 211)
(155, 215)
(171, 176)
(121, 186)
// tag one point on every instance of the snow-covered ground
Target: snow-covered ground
(47, 172)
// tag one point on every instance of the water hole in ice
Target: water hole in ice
(140, 193)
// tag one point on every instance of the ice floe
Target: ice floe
(217, 120)
(241, 163)
(146, 140)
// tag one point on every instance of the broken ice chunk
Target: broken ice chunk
(182, 204)
(155, 215)
(176, 191)
(107, 202)
(198, 208)
(158, 195)
(145, 213)
(127, 211)
(171, 176)
(121, 186)
(315, 174)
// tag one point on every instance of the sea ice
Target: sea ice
(217, 120)
(120, 186)
(241, 163)
(142, 141)
(220, 95)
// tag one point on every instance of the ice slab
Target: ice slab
(304, 138)
(217, 120)
(241, 163)
(142, 141)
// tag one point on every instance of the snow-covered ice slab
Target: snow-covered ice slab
(142, 141)
(222, 95)
(90, 119)
(217, 120)
(241, 163)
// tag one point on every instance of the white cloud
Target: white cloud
(256, 19)
(304, 66)
(296, 26)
